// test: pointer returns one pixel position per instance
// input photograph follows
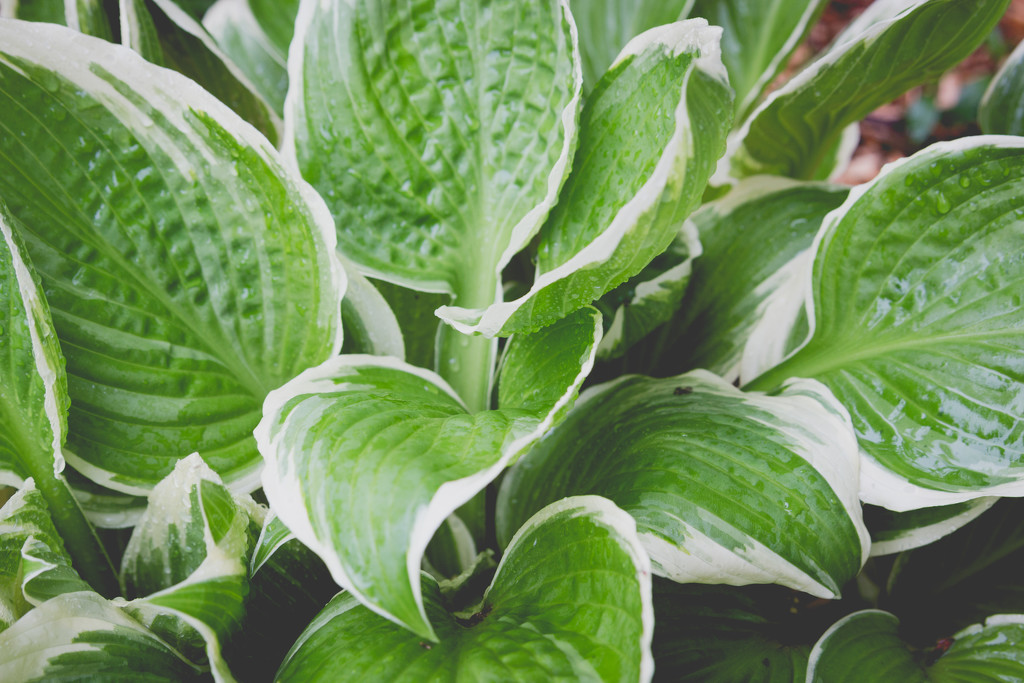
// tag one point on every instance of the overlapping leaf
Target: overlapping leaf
(188, 273)
(51, 11)
(288, 586)
(963, 578)
(165, 34)
(34, 404)
(867, 646)
(81, 635)
(750, 241)
(892, 47)
(893, 532)
(758, 36)
(917, 326)
(188, 560)
(648, 300)
(239, 34)
(650, 136)
(367, 456)
(570, 601)
(1002, 107)
(724, 634)
(34, 566)
(607, 25)
(726, 487)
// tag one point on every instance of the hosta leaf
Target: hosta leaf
(33, 385)
(34, 566)
(1002, 106)
(233, 26)
(758, 37)
(187, 560)
(894, 46)
(917, 324)
(81, 636)
(187, 272)
(867, 646)
(750, 239)
(570, 602)
(606, 26)
(446, 133)
(138, 30)
(163, 33)
(649, 299)
(964, 577)
(196, 8)
(726, 487)
(367, 456)
(893, 532)
(650, 135)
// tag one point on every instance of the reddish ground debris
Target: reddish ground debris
(937, 111)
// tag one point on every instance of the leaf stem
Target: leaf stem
(467, 364)
(465, 361)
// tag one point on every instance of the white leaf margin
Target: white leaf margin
(62, 618)
(816, 428)
(184, 21)
(909, 539)
(283, 485)
(173, 492)
(672, 39)
(38, 318)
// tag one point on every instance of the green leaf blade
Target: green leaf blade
(187, 561)
(34, 566)
(750, 240)
(607, 25)
(188, 273)
(451, 132)
(717, 480)
(867, 645)
(917, 326)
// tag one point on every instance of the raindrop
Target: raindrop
(965, 181)
(942, 203)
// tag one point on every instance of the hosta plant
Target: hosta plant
(494, 340)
